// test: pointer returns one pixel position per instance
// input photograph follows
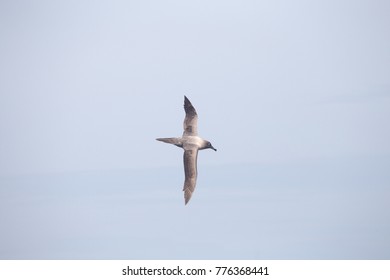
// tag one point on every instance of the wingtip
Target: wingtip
(187, 196)
(188, 104)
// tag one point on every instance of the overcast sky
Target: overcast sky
(88, 86)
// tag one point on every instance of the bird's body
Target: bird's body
(191, 143)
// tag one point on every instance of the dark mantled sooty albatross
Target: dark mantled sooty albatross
(191, 143)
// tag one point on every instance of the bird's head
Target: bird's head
(209, 146)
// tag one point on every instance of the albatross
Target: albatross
(191, 143)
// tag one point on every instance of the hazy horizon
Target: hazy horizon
(325, 209)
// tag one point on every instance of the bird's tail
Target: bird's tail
(172, 140)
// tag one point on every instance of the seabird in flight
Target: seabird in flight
(191, 143)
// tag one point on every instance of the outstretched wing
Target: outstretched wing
(191, 119)
(190, 171)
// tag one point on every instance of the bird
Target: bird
(191, 143)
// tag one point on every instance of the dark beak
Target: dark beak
(213, 148)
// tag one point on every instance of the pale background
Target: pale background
(295, 95)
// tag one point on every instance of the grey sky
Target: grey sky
(89, 86)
